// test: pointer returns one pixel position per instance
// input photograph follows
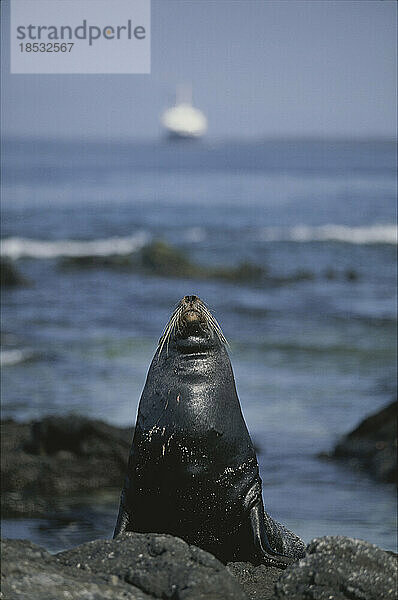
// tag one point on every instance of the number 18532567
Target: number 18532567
(46, 47)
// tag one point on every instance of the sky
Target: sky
(258, 68)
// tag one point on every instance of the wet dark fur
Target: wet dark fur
(193, 470)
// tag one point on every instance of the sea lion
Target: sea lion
(192, 468)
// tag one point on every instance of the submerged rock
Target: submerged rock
(372, 445)
(245, 271)
(9, 276)
(348, 275)
(164, 260)
(160, 258)
(56, 458)
(113, 261)
(340, 568)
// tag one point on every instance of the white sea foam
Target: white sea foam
(17, 247)
(372, 234)
(14, 357)
(195, 235)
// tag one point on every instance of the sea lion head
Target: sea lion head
(191, 326)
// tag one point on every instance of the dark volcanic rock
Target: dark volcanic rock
(160, 259)
(340, 568)
(56, 458)
(132, 567)
(164, 260)
(162, 566)
(373, 444)
(9, 276)
(258, 582)
(137, 566)
(123, 262)
(29, 572)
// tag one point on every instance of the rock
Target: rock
(57, 457)
(330, 274)
(164, 260)
(160, 258)
(349, 274)
(29, 572)
(123, 262)
(137, 566)
(9, 276)
(244, 272)
(78, 436)
(133, 567)
(258, 582)
(373, 445)
(340, 568)
(161, 566)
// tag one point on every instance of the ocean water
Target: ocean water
(311, 357)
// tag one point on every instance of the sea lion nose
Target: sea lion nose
(191, 299)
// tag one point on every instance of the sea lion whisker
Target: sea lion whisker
(211, 320)
(171, 332)
(207, 313)
(165, 330)
(216, 327)
(168, 331)
(164, 334)
(170, 321)
(164, 337)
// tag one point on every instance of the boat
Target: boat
(184, 121)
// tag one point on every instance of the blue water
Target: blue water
(311, 358)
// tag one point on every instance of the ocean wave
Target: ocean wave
(16, 247)
(372, 234)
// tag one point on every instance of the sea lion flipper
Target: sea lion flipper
(121, 523)
(262, 544)
(123, 518)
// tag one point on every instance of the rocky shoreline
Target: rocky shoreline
(372, 446)
(138, 566)
(162, 259)
(52, 459)
(45, 462)
(57, 457)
